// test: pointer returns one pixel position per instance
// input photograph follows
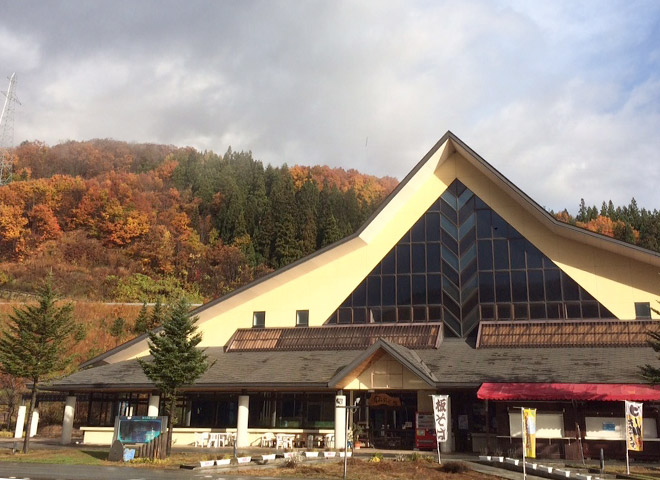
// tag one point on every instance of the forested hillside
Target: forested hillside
(628, 223)
(132, 222)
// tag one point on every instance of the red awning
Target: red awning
(569, 391)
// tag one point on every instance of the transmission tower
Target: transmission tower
(7, 130)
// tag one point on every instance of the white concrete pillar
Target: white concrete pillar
(340, 421)
(154, 402)
(242, 437)
(20, 421)
(67, 423)
(35, 422)
(448, 445)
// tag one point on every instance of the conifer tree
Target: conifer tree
(141, 321)
(35, 342)
(157, 315)
(175, 359)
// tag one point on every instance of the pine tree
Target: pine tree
(35, 342)
(648, 372)
(141, 321)
(175, 359)
(117, 328)
(157, 315)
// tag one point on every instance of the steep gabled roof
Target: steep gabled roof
(404, 356)
(441, 151)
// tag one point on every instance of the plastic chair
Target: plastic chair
(201, 439)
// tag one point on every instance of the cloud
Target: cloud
(562, 98)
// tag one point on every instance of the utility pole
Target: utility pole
(7, 131)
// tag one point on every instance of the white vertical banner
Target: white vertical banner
(440, 415)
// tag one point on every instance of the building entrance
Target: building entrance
(391, 419)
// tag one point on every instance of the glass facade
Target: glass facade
(462, 263)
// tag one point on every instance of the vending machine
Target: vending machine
(424, 431)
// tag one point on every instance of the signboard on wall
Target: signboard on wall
(384, 400)
(138, 429)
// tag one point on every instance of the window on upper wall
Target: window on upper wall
(642, 310)
(302, 318)
(259, 320)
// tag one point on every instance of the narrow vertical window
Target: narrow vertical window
(302, 318)
(258, 319)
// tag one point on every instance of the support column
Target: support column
(448, 446)
(242, 436)
(67, 423)
(20, 421)
(35, 422)
(154, 402)
(340, 421)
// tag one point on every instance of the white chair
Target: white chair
(267, 440)
(201, 439)
(329, 441)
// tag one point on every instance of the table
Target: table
(284, 440)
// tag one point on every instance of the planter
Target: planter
(289, 454)
(311, 454)
(270, 456)
(243, 459)
(206, 463)
(348, 454)
(513, 461)
(329, 454)
(223, 461)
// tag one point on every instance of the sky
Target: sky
(561, 97)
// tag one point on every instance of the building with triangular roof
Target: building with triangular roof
(458, 284)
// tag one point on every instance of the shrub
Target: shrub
(453, 467)
(376, 458)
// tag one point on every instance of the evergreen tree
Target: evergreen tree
(157, 315)
(283, 200)
(582, 212)
(307, 199)
(175, 359)
(117, 328)
(36, 341)
(141, 321)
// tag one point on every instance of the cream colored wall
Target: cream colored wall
(386, 373)
(323, 281)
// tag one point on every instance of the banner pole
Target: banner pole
(438, 445)
(626, 434)
(524, 438)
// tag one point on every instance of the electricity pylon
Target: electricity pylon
(7, 131)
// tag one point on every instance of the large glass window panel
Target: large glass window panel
(485, 255)
(504, 312)
(419, 289)
(404, 314)
(483, 224)
(373, 291)
(486, 287)
(360, 295)
(389, 262)
(403, 290)
(535, 282)
(519, 286)
(537, 311)
(345, 315)
(432, 227)
(449, 227)
(435, 314)
(552, 285)
(433, 257)
(534, 256)
(418, 258)
(570, 288)
(403, 258)
(389, 290)
(501, 254)
(517, 252)
(500, 227)
(448, 211)
(417, 234)
(435, 289)
(589, 310)
(450, 258)
(502, 287)
(359, 315)
(388, 315)
(521, 311)
(487, 311)
(420, 314)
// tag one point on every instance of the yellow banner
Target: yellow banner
(634, 426)
(529, 431)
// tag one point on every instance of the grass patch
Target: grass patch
(60, 457)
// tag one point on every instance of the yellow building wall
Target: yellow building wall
(322, 282)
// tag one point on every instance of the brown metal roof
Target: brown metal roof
(337, 337)
(565, 333)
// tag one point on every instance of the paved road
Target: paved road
(35, 471)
